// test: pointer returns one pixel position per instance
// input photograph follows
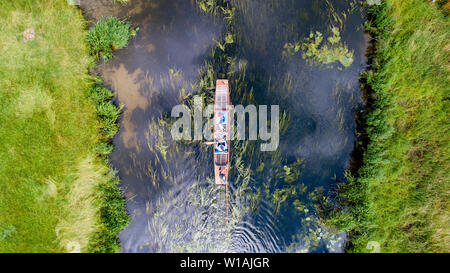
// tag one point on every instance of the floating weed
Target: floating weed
(291, 48)
(229, 38)
(242, 65)
(220, 45)
(316, 52)
(228, 14)
(190, 218)
(298, 205)
(315, 235)
(158, 141)
(208, 6)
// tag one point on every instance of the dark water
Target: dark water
(171, 196)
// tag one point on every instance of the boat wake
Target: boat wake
(192, 218)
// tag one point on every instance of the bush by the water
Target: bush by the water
(399, 198)
(112, 212)
(113, 217)
(106, 111)
(108, 34)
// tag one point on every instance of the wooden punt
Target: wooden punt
(221, 132)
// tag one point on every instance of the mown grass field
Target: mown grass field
(399, 198)
(51, 180)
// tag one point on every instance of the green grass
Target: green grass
(399, 198)
(56, 191)
(108, 34)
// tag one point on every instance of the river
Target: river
(276, 57)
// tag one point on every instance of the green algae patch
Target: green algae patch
(316, 50)
(398, 200)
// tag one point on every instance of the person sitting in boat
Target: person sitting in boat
(221, 127)
(221, 145)
(221, 118)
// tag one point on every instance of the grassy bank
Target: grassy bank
(399, 197)
(56, 192)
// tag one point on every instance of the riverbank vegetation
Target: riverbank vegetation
(57, 193)
(399, 197)
(107, 35)
(113, 217)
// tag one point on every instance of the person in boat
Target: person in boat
(221, 127)
(223, 173)
(221, 118)
(221, 142)
(221, 145)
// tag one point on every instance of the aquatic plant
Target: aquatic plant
(208, 6)
(314, 236)
(113, 218)
(228, 13)
(291, 48)
(190, 217)
(315, 51)
(159, 130)
(108, 34)
(327, 53)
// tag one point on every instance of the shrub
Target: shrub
(107, 112)
(108, 34)
(100, 94)
(114, 219)
(103, 149)
(112, 208)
